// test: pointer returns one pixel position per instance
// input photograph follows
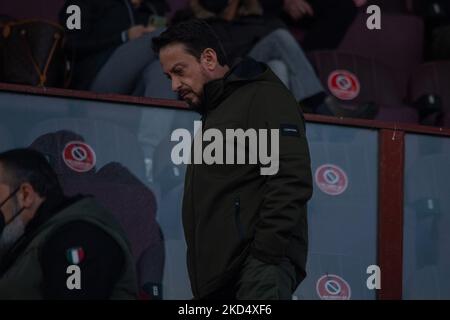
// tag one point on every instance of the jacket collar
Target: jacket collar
(243, 71)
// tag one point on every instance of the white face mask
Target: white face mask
(3, 223)
(11, 233)
(12, 230)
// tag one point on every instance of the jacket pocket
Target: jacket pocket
(237, 218)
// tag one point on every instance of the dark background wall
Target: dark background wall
(28, 9)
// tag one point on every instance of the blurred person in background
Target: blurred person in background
(323, 22)
(113, 48)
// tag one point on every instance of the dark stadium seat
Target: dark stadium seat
(117, 189)
(399, 43)
(392, 6)
(356, 80)
(52, 145)
(109, 141)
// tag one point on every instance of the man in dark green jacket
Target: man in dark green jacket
(246, 232)
(52, 247)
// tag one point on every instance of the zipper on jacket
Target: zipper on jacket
(237, 217)
(194, 285)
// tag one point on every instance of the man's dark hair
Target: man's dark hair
(26, 165)
(196, 35)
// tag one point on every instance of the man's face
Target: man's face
(187, 73)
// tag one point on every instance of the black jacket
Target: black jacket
(231, 211)
(102, 24)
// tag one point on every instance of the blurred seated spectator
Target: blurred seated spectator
(112, 49)
(323, 22)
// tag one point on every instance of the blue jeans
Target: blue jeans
(134, 69)
(297, 73)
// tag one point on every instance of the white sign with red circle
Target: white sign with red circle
(344, 85)
(333, 287)
(79, 156)
(331, 179)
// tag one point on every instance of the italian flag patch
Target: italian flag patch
(75, 255)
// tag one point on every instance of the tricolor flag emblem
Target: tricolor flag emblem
(75, 255)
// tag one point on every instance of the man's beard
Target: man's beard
(198, 106)
(10, 235)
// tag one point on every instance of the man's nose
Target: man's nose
(176, 84)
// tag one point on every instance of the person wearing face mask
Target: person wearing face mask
(43, 233)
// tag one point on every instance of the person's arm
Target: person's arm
(231, 10)
(287, 192)
(297, 9)
(101, 262)
(199, 11)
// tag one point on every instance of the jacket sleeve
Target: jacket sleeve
(288, 190)
(101, 264)
(88, 39)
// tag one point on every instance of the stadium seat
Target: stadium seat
(109, 141)
(398, 44)
(356, 80)
(124, 195)
(392, 6)
(52, 145)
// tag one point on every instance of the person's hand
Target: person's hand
(231, 10)
(138, 31)
(136, 3)
(297, 9)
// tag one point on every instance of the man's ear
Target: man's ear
(209, 59)
(26, 195)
